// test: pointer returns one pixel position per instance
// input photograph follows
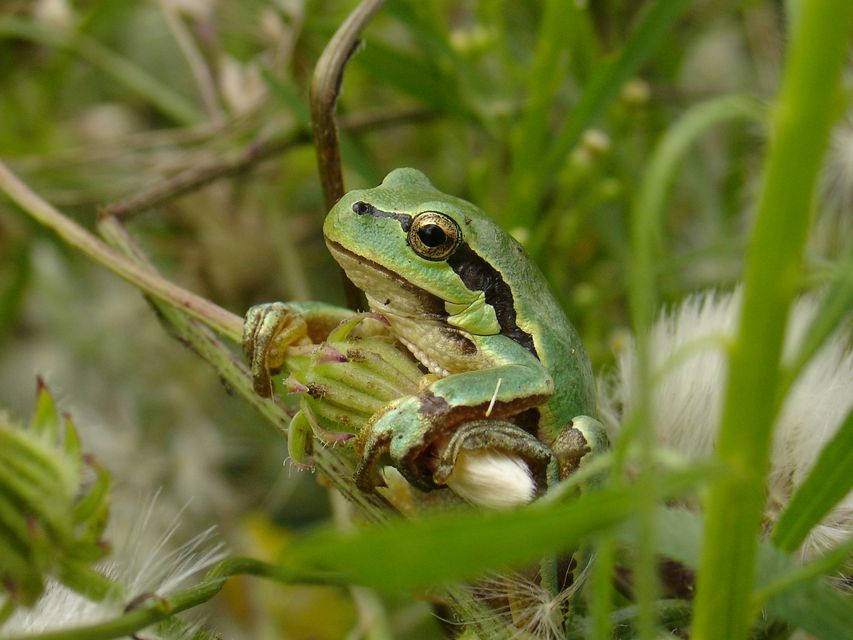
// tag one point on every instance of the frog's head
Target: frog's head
(414, 250)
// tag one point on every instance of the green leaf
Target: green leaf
(457, 546)
(45, 420)
(816, 608)
(835, 306)
(783, 587)
(288, 94)
(827, 483)
(411, 75)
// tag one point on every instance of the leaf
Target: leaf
(816, 608)
(457, 546)
(411, 75)
(785, 589)
(826, 485)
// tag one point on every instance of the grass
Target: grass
(495, 101)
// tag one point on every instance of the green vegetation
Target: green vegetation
(641, 152)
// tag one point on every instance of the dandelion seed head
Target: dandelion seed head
(528, 609)
(491, 478)
(689, 368)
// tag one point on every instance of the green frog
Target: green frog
(507, 371)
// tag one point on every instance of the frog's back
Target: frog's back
(554, 340)
(488, 259)
(525, 307)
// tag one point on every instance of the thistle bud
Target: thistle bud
(52, 515)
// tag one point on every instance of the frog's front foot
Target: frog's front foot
(493, 435)
(492, 463)
(267, 332)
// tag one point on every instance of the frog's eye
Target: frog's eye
(434, 236)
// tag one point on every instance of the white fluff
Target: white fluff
(689, 370)
(491, 478)
(138, 563)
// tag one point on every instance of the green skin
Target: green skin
(464, 298)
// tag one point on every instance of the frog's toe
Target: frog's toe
(267, 332)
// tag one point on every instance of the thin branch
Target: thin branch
(325, 88)
(257, 152)
(198, 176)
(155, 608)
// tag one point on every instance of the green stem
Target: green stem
(156, 608)
(802, 118)
(647, 221)
(219, 319)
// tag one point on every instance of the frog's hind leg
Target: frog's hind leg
(493, 463)
(581, 440)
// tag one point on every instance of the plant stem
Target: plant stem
(325, 88)
(224, 322)
(800, 132)
(157, 608)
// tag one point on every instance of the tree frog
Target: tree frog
(508, 370)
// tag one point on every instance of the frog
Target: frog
(504, 368)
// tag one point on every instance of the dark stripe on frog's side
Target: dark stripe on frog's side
(478, 275)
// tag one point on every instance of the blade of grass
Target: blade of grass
(821, 611)
(546, 75)
(118, 67)
(526, 194)
(827, 483)
(799, 138)
(835, 306)
(786, 590)
(646, 231)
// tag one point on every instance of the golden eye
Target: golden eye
(434, 236)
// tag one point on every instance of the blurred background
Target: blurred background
(104, 100)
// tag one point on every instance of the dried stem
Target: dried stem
(325, 88)
(198, 176)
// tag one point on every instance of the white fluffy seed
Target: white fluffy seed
(491, 478)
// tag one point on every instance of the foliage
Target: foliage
(609, 137)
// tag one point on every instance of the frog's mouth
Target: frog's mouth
(388, 292)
